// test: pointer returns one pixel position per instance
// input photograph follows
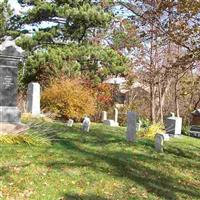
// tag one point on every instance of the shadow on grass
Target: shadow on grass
(179, 152)
(83, 197)
(155, 181)
(97, 136)
(135, 167)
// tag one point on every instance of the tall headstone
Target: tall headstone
(116, 115)
(132, 126)
(173, 125)
(104, 116)
(159, 142)
(33, 98)
(10, 56)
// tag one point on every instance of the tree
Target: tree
(5, 13)
(92, 61)
(169, 31)
(59, 22)
(62, 41)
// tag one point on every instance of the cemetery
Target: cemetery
(96, 103)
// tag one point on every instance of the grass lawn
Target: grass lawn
(99, 165)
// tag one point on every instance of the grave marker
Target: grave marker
(10, 56)
(33, 98)
(132, 126)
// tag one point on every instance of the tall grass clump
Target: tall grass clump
(29, 139)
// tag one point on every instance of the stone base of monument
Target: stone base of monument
(195, 131)
(12, 128)
(175, 135)
(9, 114)
(166, 136)
(111, 122)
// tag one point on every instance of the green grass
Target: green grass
(99, 165)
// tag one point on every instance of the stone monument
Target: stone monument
(195, 124)
(70, 122)
(173, 125)
(139, 123)
(104, 116)
(159, 142)
(10, 56)
(116, 112)
(33, 99)
(111, 122)
(86, 124)
(132, 126)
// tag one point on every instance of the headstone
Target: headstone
(33, 98)
(10, 56)
(138, 125)
(132, 126)
(116, 115)
(159, 142)
(70, 122)
(166, 137)
(104, 116)
(110, 122)
(86, 124)
(173, 125)
(195, 124)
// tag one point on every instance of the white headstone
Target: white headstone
(132, 126)
(104, 116)
(116, 115)
(70, 122)
(138, 128)
(33, 98)
(86, 124)
(159, 142)
(173, 125)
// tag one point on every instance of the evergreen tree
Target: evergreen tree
(5, 13)
(60, 21)
(58, 38)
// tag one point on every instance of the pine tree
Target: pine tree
(60, 42)
(60, 21)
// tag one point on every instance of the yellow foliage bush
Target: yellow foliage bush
(68, 99)
(24, 138)
(151, 131)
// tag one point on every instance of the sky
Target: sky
(14, 4)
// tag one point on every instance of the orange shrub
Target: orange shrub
(68, 99)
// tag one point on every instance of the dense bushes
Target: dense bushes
(68, 99)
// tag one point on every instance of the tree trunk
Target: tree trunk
(162, 94)
(176, 98)
(153, 103)
(160, 101)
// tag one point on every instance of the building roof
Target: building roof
(116, 80)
